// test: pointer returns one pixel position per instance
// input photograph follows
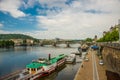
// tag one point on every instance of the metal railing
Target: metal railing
(115, 45)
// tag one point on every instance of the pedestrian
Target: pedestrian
(82, 65)
(79, 49)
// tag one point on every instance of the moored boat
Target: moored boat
(84, 47)
(39, 68)
(71, 58)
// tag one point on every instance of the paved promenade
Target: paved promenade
(91, 70)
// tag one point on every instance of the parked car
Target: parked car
(86, 59)
(101, 62)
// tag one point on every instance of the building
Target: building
(29, 42)
(104, 33)
(17, 41)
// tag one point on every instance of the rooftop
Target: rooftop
(51, 61)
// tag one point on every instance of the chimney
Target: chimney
(49, 56)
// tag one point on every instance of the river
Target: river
(15, 59)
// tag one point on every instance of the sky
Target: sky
(65, 19)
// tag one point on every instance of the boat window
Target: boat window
(33, 69)
(28, 69)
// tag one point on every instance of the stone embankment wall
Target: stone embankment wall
(111, 57)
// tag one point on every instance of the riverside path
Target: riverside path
(91, 70)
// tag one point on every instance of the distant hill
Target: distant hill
(15, 36)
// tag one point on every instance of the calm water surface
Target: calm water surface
(17, 58)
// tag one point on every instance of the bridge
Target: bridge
(55, 43)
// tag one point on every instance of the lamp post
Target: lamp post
(119, 29)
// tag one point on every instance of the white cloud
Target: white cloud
(12, 7)
(4, 32)
(53, 3)
(1, 25)
(110, 6)
(29, 3)
(74, 22)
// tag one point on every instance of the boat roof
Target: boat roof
(51, 61)
(35, 65)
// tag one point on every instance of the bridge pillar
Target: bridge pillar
(41, 43)
(67, 44)
(54, 44)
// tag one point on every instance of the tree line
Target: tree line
(6, 44)
(14, 36)
(110, 36)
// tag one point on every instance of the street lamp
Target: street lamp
(119, 29)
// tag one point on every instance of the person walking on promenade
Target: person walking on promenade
(80, 51)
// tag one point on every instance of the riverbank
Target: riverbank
(17, 59)
(85, 71)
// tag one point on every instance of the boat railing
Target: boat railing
(11, 75)
(29, 76)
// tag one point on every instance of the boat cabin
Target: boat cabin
(34, 67)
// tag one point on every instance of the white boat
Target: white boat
(38, 68)
(71, 58)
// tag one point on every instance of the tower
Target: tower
(95, 38)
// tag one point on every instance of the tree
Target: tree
(88, 40)
(6, 44)
(110, 36)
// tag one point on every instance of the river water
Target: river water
(15, 59)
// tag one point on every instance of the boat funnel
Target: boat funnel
(49, 56)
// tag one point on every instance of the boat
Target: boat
(39, 68)
(84, 47)
(71, 58)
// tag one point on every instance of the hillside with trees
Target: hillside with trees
(15, 36)
(9, 40)
(6, 44)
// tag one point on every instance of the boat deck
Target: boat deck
(13, 76)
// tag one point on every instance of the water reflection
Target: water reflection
(17, 58)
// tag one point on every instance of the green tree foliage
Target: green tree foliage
(24, 41)
(110, 36)
(6, 44)
(88, 40)
(14, 36)
(36, 41)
